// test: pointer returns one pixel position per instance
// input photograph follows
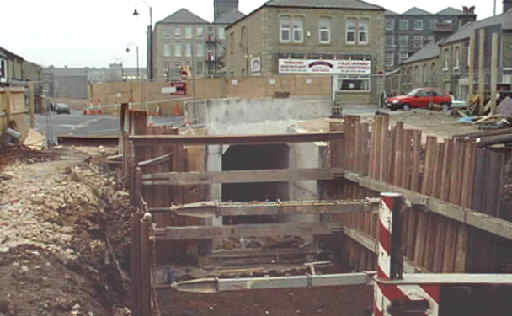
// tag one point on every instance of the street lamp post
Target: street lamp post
(139, 75)
(149, 39)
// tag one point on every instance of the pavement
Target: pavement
(77, 124)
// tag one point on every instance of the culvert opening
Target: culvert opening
(256, 157)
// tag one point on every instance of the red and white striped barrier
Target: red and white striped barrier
(386, 294)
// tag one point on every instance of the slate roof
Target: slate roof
(183, 16)
(465, 31)
(431, 50)
(389, 12)
(416, 11)
(450, 11)
(229, 17)
(331, 4)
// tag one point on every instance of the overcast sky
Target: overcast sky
(95, 33)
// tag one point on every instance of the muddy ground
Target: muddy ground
(338, 301)
(63, 240)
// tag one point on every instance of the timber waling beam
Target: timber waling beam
(493, 225)
(242, 139)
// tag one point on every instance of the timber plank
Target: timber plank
(438, 170)
(461, 248)
(416, 152)
(383, 147)
(450, 247)
(439, 244)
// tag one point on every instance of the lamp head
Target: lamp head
(127, 49)
(135, 12)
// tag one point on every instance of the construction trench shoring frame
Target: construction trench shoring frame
(394, 291)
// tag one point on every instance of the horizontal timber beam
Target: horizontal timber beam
(271, 208)
(371, 244)
(246, 230)
(240, 176)
(240, 139)
(458, 213)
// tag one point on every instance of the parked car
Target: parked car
(419, 98)
(62, 108)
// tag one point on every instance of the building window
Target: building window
(363, 31)
(350, 31)
(178, 50)
(188, 50)
(188, 32)
(199, 69)
(324, 30)
(177, 32)
(457, 57)
(285, 28)
(430, 39)
(390, 24)
(291, 29)
(403, 41)
(199, 50)
(221, 33)
(418, 25)
(388, 59)
(353, 83)
(418, 41)
(199, 32)
(404, 55)
(404, 25)
(167, 50)
(298, 31)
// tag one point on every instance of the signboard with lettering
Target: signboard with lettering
(327, 66)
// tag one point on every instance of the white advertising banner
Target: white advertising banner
(325, 66)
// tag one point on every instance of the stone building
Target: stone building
(409, 32)
(465, 63)
(180, 39)
(343, 39)
(468, 57)
(14, 69)
(421, 70)
(184, 38)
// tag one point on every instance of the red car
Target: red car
(419, 98)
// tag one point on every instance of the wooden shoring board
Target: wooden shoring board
(430, 148)
(412, 227)
(356, 127)
(428, 261)
(416, 161)
(446, 171)
(404, 216)
(467, 176)
(494, 183)
(439, 244)
(438, 170)
(336, 146)
(378, 140)
(397, 159)
(456, 175)
(384, 146)
(461, 250)
(365, 148)
(349, 139)
(407, 158)
(479, 188)
(373, 152)
(450, 246)
(421, 232)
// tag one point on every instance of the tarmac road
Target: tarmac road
(77, 124)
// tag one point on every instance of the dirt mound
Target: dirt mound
(63, 240)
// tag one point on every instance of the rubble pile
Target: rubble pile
(59, 226)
